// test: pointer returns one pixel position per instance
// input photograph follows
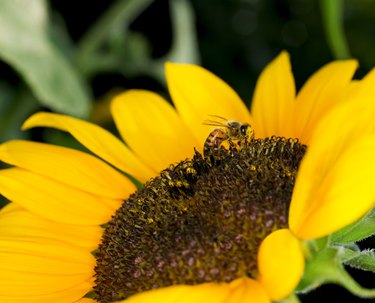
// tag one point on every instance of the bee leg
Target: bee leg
(243, 142)
(214, 155)
(232, 146)
(246, 140)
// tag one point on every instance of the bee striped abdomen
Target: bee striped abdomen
(213, 141)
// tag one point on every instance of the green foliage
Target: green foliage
(359, 230)
(56, 72)
(326, 266)
(332, 12)
(25, 45)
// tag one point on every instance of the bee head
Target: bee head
(247, 131)
(244, 129)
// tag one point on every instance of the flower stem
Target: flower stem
(345, 280)
(332, 11)
(121, 11)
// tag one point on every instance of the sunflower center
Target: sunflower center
(201, 220)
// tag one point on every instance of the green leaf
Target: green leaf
(364, 260)
(326, 267)
(119, 15)
(25, 45)
(359, 230)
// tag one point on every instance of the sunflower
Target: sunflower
(61, 234)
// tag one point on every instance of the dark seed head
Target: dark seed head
(199, 221)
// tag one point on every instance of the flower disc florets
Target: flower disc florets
(201, 220)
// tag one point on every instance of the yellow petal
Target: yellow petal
(86, 300)
(39, 267)
(280, 263)
(247, 290)
(65, 296)
(212, 293)
(335, 182)
(363, 89)
(273, 99)
(54, 200)
(321, 93)
(152, 128)
(96, 139)
(35, 283)
(50, 257)
(16, 221)
(197, 93)
(68, 166)
(240, 290)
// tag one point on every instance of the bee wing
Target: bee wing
(214, 123)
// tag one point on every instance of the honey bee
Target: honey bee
(228, 130)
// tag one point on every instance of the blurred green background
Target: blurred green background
(71, 57)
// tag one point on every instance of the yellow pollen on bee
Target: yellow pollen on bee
(191, 170)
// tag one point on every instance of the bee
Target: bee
(228, 130)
